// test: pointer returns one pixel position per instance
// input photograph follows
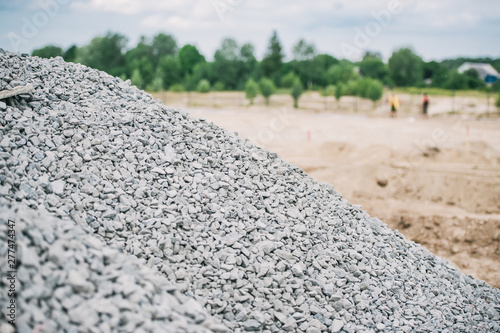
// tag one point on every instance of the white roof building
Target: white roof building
(486, 72)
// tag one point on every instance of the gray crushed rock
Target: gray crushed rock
(69, 280)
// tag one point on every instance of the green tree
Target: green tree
(105, 53)
(170, 71)
(70, 54)
(304, 54)
(362, 87)
(49, 51)
(405, 68)
(219, 86)
(177, 87)
(342, 72)
(227, 63)
(144, 66)
(250, 64)
(143, 49)
(456, 81)
(141, 57)
(251, 90)
(203, 70)
(189, 57)
(436, 73)
(267, 88)
(339, 91)
(303, 51)
(329, 90)
(163, 45)
(473, 79)
(296, 92)
(190, 83)
(370, 88)
(228, 50)
(319, 69)
(375, 91)
(203, 86)
(350, 88)
(137, 79)
(156, 84)
(273, 59)
(372, 54)
(374, 68)
(497, 103)
(289, 79)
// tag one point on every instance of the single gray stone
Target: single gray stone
(58, 186)
(283, 254)
(336, 297)
(78, 282)
(251, 325)
(84, 316)
(297, 270)
(336, 326)
(29, 257)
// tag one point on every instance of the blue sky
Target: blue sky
(344, 28)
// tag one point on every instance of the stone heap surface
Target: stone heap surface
(71, 281)
(155, 219)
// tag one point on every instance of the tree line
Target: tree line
(158, 63)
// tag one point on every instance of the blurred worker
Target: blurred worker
(394, 102)
(425, 105)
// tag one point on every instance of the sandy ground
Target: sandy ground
(436, 180)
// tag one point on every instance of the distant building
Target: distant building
(486, 72)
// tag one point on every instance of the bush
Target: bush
(267, 88)
(341, 73)
(350, 89)
(177, 87)
(296, 92)
(362, 87)
(251, 90)
(339, 91)
(137, 79)
(369, 88)
(329, 90)
(473, 79)
(288, 80)
(375, 90)
(49, 51)
(156, 85)
(203, 86)
(498, 101)
(456, 81)
(219, 86)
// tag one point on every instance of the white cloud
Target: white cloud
(162, 22)
(450, 15)
(132, 7)
(425, 24)
(298, 14)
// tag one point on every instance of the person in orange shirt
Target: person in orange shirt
(425, 105)
(394, 102)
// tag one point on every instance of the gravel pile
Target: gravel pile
(69, 280)
(252, 239)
